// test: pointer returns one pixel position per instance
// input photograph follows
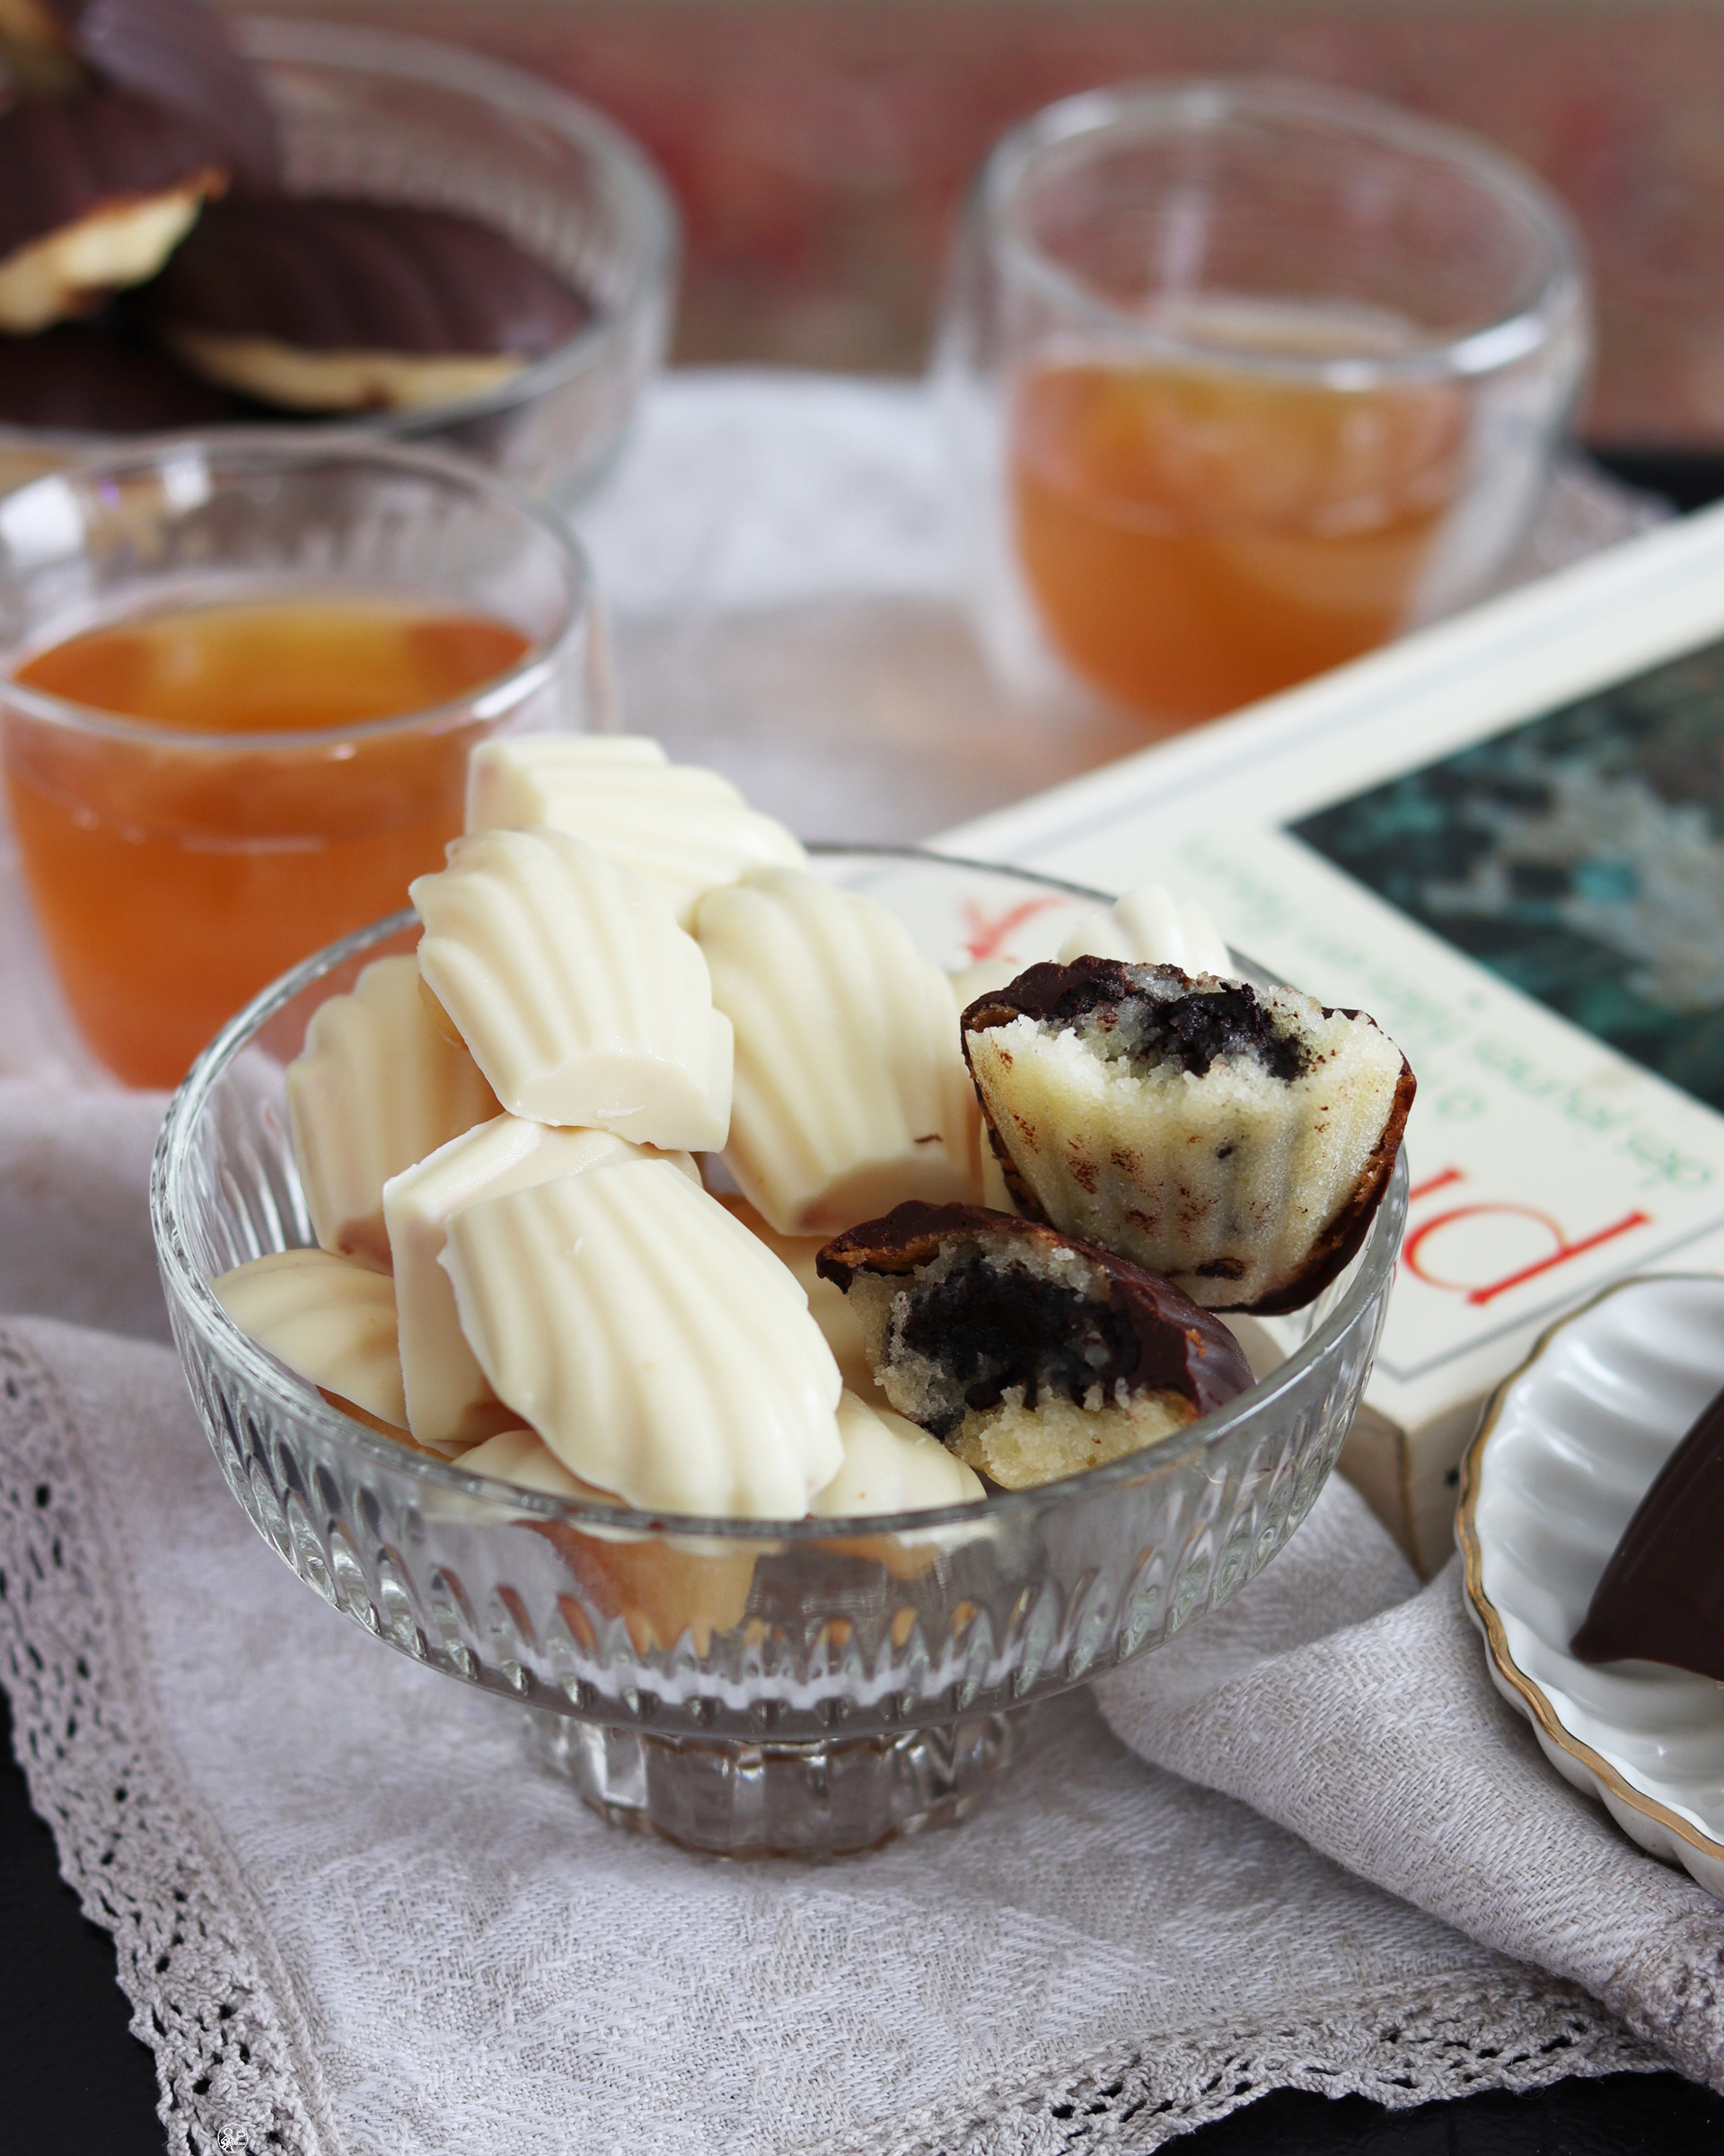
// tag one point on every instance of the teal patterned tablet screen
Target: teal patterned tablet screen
(1580, 857)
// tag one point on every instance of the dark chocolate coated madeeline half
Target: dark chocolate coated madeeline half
(1161, 1341)
(1661, 1596)
(320, 274)
(174, 54)
(84, 380)
(65, 160)
(1198, 1027)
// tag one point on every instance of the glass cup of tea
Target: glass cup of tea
(1242, 378)
(239, 677)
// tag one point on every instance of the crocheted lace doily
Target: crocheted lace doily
(212, 1998)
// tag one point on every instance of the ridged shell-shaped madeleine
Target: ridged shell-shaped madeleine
(851, 1091)
(828, 1305)
(328, 1318)
(581, 999)
(523, 1457)
(503, 791)
(890, 1465)
(657, 1348)
(1148, 927)
(377, 1088)
(686, 829)
(449, 1402)
(661, 1586)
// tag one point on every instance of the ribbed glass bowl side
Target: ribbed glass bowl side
(802, 1633)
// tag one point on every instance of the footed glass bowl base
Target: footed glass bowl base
(818, 1799)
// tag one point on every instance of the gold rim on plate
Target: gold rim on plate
(1496, 1637)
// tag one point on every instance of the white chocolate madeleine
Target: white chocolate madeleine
(687, 829)
(890, 1465)
(657, 1346)
(582, 1000)
(326, 1318)
(1236, 1141)
(850, 1094)
(1147, 927)
(523, 1457)
(497, 786)
(828, 1305)
(449, 1401)
(377, 1088)
(661, 1587)
(514, 785)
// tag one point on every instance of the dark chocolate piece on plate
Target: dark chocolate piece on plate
(314, 302)
(1661, 1596)
(85, 379)
(172, 53)
(1032, 1355)
(1235, 1141)
(94, 190)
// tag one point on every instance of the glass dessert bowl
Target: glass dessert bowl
(399, 120)
(807, 1686)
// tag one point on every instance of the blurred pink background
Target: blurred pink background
(818, 146)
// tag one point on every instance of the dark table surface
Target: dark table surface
(73, 2077)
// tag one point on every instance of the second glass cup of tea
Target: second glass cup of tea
(242, 676)
(1244, 377)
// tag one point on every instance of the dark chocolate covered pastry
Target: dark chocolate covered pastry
(1235, 1141)
(86, 380)
(95, 190)
(1032, 1356)
(1661, 1596)
(174, 54)
(318, 304)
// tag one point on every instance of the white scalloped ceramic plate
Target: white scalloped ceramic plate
(1569, 1447)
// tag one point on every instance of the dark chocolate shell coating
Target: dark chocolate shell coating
(1661, 1596)
(1014, 1328)
(64, 159)
(87, 381)
(1231, 1021)
(323, 275)
(176, 54)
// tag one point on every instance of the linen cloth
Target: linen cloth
(1312, 1849)
(351, 1916)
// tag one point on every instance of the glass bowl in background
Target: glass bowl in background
(402, 119)
(173, 872)
(1242, 378)
(802, 1687)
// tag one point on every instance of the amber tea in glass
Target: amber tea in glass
(1244, 378)
(224, 771)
